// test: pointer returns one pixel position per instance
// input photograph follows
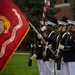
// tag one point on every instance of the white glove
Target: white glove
(50, 45)
(61, 46)
(43, 28)
(33, 57)
(39, 36)
(51, 60)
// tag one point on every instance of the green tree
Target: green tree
(33, 10)
(73, 9)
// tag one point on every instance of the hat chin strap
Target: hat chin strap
(70, 29)
(63, 30)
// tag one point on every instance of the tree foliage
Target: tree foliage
(33, 10)
(73, 9)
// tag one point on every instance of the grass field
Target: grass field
(18, 65)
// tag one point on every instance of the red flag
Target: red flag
(13, 28)
(45, 9)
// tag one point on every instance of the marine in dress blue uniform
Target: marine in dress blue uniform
(50, 39)
(63, 35)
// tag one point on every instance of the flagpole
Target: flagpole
(42, 38)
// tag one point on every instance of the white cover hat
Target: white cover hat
(50, 23)
(62, 23)
(70, 21)
(73, 22)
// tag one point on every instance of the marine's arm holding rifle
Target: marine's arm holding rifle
(62, 48)
(59, 56)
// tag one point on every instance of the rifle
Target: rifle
(31, 51)
(59, 54)
(29, 61)
(59, 59)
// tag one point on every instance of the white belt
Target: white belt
(39, 45)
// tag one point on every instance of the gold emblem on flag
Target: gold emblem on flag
(4, 24)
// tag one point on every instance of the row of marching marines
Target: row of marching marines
(60, 37)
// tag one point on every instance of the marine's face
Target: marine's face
(63, 28)
(73, 28)
(69, 27)
(49, 27)
(59, 28)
